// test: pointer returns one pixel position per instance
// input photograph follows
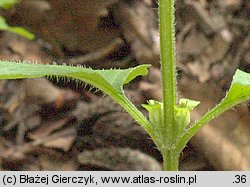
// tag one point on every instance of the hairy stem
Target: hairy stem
(170, 160)
(168, 72)
(168, 67)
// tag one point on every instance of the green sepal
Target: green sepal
(183, 111)
(182, 120)
(155, 112)
(188, 103)
(155, 115)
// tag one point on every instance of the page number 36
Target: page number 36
(240, 179)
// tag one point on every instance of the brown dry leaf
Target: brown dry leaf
(151, 87)
(12, 153)
(15, 97)
(119, 129)
(54, 134)
(200, 69)
(151, 91)
(194, 164)
(30, 164)
(47, 129)
(194, 44)
(98, 107)
(92, 25)
(14, 47)
(242, 130)
(2, 84)
(242, 137)
(50, 135)
(42, 92)
(222, 153)
(192, 160)
(220, 45)
(209, 21)
(72, 24)
(62, 139)
(117, 159)
(137, 20)
(51, 160)
(25, 117)
(154, 75)
(233, 3)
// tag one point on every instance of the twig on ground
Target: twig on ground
(98, 54)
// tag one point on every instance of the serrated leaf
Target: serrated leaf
(17, 30)
(6, 4)
(102, 79)
(109, 81)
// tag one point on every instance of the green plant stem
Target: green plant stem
(135, 113)
(168, 67)
(168, 72)
(170, 160)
